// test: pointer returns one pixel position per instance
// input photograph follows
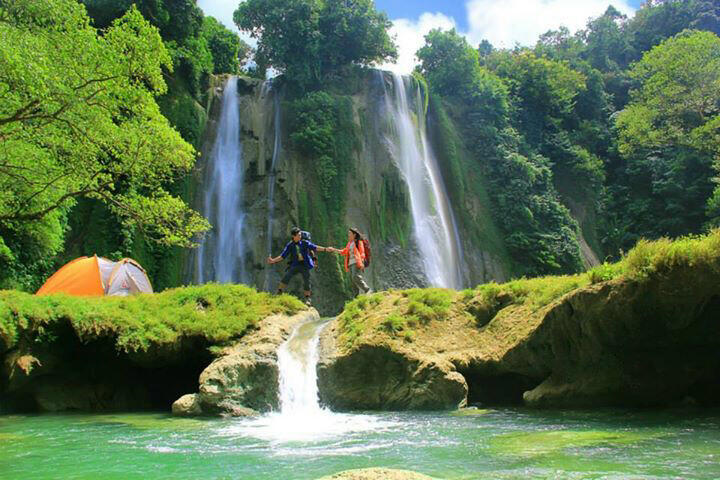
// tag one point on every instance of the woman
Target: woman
(354, 253)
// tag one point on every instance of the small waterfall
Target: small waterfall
(277, 146)
(301, 418)
(219, 258)
(433, 222)
(297, 361)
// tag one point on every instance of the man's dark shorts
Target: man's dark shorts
(294, 270)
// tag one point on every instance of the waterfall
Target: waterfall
(297, 361)
(301, 418)
(277, 145)
(434, 226)
(219, 257)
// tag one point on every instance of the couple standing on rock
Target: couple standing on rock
(302, 251)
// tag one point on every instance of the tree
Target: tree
(657, 21)
(543, 90)
(181, 27)
(307, 39)
(78, 119)
(227, 49)
(669, 134)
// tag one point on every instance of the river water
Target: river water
(306, 441)
(503, 443)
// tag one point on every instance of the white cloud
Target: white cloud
(223, 11)
(410, 36)
(506, 22)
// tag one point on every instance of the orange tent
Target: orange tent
(98, 276)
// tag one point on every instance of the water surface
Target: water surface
(503, 443)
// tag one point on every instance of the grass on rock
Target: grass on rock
(219, 313)
(509, 311)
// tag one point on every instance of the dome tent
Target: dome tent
(98, 276)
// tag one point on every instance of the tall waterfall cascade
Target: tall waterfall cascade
(219, 257)
(434, 226)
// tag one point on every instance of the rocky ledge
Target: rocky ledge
(243, 381)
(640, 333)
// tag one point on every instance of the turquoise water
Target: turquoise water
(504, 443)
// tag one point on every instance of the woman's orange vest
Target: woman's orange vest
(359, 255)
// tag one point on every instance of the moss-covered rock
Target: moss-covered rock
(113, 353)
(638, 333)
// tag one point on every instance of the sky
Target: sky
(503, 22)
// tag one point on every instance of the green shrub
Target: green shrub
(605, 272)
(394, 323)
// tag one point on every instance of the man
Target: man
(300, 261)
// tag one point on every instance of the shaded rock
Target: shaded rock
(59, 394)
(377, 474)
(628, 342)
(244, 380)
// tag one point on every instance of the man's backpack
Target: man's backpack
(305, 236)
(368, 253)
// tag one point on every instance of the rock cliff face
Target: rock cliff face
(376, 199)
(624, 342)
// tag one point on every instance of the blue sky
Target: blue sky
(412, 9)
(503, 22)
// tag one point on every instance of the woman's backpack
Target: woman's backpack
(366, 246)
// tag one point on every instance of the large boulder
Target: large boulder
(244, 379)
(379, 377)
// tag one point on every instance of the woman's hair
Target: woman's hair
(358, 235)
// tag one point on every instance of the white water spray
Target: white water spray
(433, 223)
(219, 257)
(301, 417)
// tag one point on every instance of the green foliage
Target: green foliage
(668, 138)
(78, 119)
(605, 272)
(183, 111)
(323, 131)
(308, 39)
(394, 323)
(198, 45)
(227, 50)
(193, 60)
(543, 91)
(539, 232)
(218, 313)
(648, 258)
(176, 19)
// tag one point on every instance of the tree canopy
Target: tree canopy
(78, 118)
(669, 134)
(307, 39)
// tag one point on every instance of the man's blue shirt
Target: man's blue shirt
(305, 247)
